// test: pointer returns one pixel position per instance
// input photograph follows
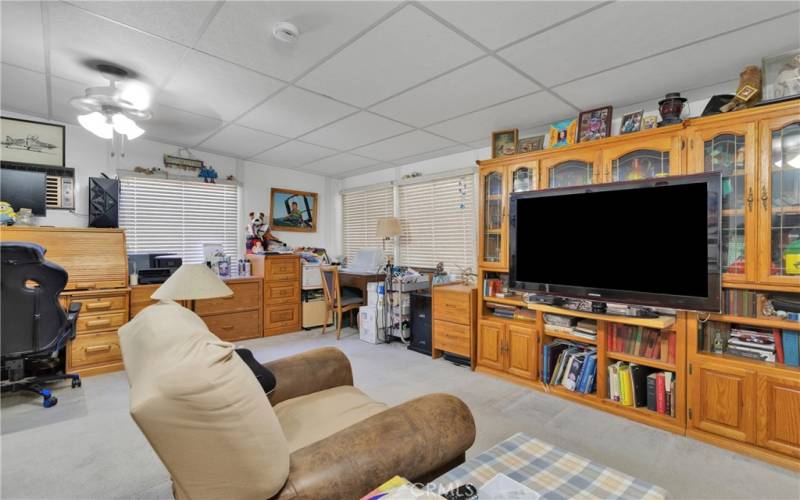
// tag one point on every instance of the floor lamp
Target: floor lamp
(387, 228)
(192, 282)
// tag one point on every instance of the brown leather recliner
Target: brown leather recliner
(317, 436)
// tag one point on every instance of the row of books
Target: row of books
(573, 366)
(492, 286)
(584, 328)
(642, 342)
(639, 386)
(771, 345)
(740, 302)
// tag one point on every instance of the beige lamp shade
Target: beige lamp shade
(388, 227)
(192, 282)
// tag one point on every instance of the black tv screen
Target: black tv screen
(24, 189)
(652, 242)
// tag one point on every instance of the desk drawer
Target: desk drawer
(245, 296)
(88, 323)
(452, 306)
(102, 304)
(234, 326)
(282, 317)
(95, 348)
(282, 269)
(283, 292)
(451, 337)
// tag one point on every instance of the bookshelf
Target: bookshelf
(746, 405)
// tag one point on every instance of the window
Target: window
(178, 216)
(438, 221)
(360, 213)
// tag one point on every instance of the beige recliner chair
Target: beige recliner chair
(317, 436)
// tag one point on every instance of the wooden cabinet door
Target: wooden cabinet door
(648, 157)
(493, 237)
(729, 147)
(523, 176)
(778, 200)
(723, 400)
(778, 417)
(574, 168)
(491, 344)
(521, 351)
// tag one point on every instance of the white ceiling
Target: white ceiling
(370, 85)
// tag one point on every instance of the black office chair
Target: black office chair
(35, 327)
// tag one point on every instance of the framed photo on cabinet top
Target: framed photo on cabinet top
(504, 142)
(594, 124)
(781, 76)
(631, 122)
(530, 144)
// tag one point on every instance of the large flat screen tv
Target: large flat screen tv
(24, 189)
(653, 242)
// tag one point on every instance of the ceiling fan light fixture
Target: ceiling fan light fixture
(125, 126)
(97, 124)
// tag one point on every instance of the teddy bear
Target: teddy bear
(259, 235)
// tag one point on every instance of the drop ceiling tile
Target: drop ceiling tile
(293, 154)
(77, 36)
(472, 87)
(354, 131)
(21, 40)
(242, 32)
(61, 91)
(179, 21)
(524, 112)
(406, 49)
(691, 67)
(365, 170)
(240, 142)
(495, 24)
(215, 88)
(450, 150)
(23, 90)
(626, 31)
(174, 126)
(337, 164)
(412, 143)
(293, 112)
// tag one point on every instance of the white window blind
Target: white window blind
(360, 213)
(178, 216)
(438, 222)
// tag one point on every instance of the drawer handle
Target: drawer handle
(227, 327)
(98, 322)
(86, 285)
(451, 305)
(98, 305)
(97, 348)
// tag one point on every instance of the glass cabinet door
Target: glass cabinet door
(640, 164)
(523, 178)
(570, 173)
(779, 200)
(726, 153)
(493, 195)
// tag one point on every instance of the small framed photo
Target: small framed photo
(650, 121)
(781, 76)
(504, 142)
(530, 144)
(562, 133)
(594, 124)
(631, 122)
(37, 143)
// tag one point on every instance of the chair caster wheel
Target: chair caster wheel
(76, 382)
(49, 401)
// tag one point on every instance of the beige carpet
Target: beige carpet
(87, 447)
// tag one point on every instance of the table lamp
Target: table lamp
(387, 228)
(192, 282)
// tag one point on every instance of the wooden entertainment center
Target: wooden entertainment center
(746, 405)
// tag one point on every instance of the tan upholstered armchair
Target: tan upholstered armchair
(317, 436)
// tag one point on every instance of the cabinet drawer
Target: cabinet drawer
(450, 306)
(283, 292)
(102, 304)
(282, 316)
(282, 269)
(88, 323)
(451, 337)
(95, 348)
(234, 326)
(245, 296)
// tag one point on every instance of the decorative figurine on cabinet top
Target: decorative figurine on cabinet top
(670, 108)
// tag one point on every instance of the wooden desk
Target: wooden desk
(359, 280)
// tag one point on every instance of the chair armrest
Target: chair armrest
(412, 440)
(309, 372)
(72, 316)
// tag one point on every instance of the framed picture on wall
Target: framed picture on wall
(292, 210)
(37, 143)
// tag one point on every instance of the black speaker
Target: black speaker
(103, 202)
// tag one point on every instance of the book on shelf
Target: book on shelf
(492, 286)
(570, 365)
(559, 320)
(643, 342)
(737, 302)
(639, 386)
(791, 349)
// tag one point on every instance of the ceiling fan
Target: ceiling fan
(114, 108)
